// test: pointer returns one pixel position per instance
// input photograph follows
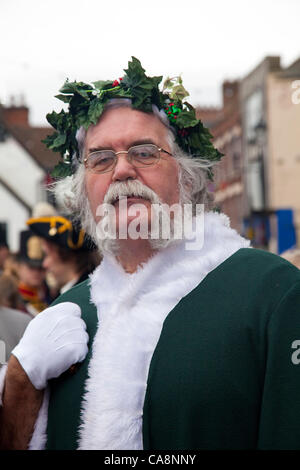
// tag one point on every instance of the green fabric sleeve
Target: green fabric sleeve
(279, 426)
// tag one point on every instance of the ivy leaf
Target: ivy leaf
(175, 88)
(95, 110)
(120, 93)
(155, 81)
(178, 93)
(168, 83)
(186, 119)
(64, 98)
(52, 119)
(135, 71)
(57, 120)
(141, 87)
(59, 141)
(55, 141)
(189, 107)
(81, 119)
(50, 139)
(102, 84)
(76, 87)
(61, 170)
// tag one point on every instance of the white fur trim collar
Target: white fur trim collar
(131, 311)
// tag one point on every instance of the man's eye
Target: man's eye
(143, 154)
(103, 160)
(98, 160)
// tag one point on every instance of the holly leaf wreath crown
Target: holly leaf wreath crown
(86, 102)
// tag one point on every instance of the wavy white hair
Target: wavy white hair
(71, 195)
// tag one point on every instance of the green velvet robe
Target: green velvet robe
(225, 373)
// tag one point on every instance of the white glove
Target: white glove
(53, 341)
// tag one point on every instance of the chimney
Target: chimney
(230, 93)
(14, 115)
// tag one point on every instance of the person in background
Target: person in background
(69, 255)
(4, 250)
(10, 267)
(13, 323)
(32, 285)
(9, 293)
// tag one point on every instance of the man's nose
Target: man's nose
(124, 169)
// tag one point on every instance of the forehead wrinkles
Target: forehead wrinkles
(122, 126)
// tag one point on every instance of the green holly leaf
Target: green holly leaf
(64, 98)
(81, 119)
(142, 88)
(79, 88)
(135, 71)
(59, 141)
(120, 93)
(55, 142)
(102, 84)
(48, 141)
(186, 119)
(95, 110)
(52, 119)
(61, 170)
(58, 120)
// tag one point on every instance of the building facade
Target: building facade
(271, 149)
(225, 127)
(25, 164)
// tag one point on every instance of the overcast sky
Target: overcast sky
(43, 42)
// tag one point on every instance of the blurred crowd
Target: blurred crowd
(54, 255)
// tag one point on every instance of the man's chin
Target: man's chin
(136, 218)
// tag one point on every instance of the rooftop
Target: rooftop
(15, 122)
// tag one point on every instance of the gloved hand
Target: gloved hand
(54, 340)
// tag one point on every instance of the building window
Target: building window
(236, 161)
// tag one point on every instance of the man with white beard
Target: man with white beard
(178, 344)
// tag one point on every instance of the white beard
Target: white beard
(106, 239)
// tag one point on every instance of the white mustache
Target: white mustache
(130, 188)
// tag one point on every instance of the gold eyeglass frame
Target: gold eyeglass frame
(159, 149)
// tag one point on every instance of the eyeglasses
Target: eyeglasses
(139, 156)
